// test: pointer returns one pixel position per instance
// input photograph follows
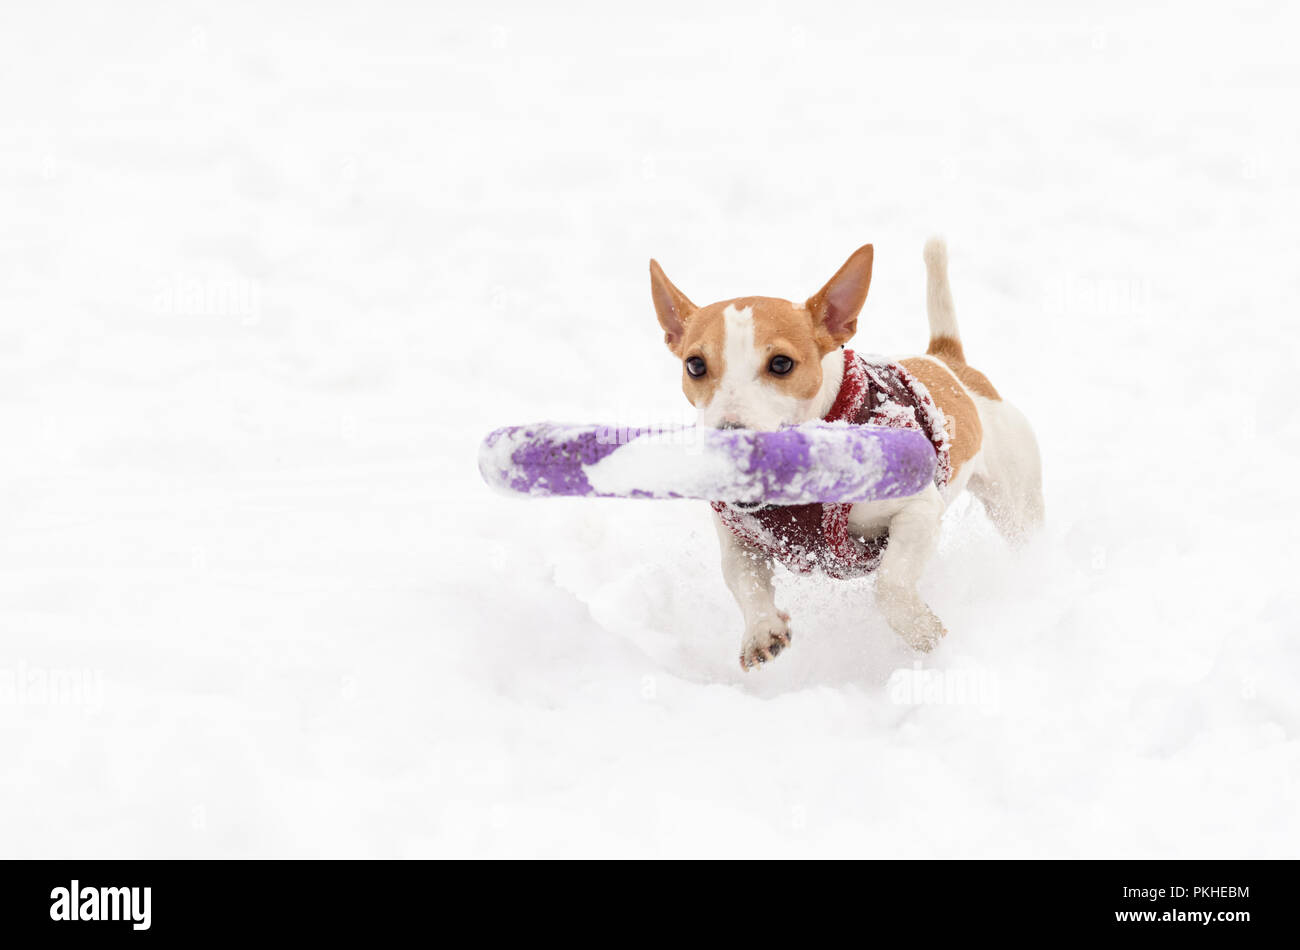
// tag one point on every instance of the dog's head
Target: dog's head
(757, 362)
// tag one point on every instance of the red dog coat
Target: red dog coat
(816, 537)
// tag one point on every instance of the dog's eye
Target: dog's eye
(780, 365)
(695, 366)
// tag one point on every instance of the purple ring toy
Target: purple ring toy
(797, 465)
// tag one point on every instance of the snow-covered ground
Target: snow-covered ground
(268, 274)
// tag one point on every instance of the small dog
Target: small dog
(763, 362)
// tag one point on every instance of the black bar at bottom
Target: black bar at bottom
(144, 900)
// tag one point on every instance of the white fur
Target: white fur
(1009, 478)
(939, 308)
(832, 379)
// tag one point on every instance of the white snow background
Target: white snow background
(269, 272)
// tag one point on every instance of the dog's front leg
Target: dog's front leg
(913, 525)
(748, 573)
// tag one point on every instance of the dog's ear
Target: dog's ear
(835, 307)
(673, 307)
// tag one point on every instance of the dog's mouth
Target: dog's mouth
(746, 506)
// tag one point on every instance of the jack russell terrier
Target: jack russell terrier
(763, 362)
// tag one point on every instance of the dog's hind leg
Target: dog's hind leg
(1009, 479)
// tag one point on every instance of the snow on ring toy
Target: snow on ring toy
(796, 465)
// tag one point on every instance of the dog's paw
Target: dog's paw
(765, 640)
(917, 624)
(922, 630)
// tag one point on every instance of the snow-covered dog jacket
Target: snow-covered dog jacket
(816, 537)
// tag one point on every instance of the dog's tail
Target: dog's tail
(945, 340)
